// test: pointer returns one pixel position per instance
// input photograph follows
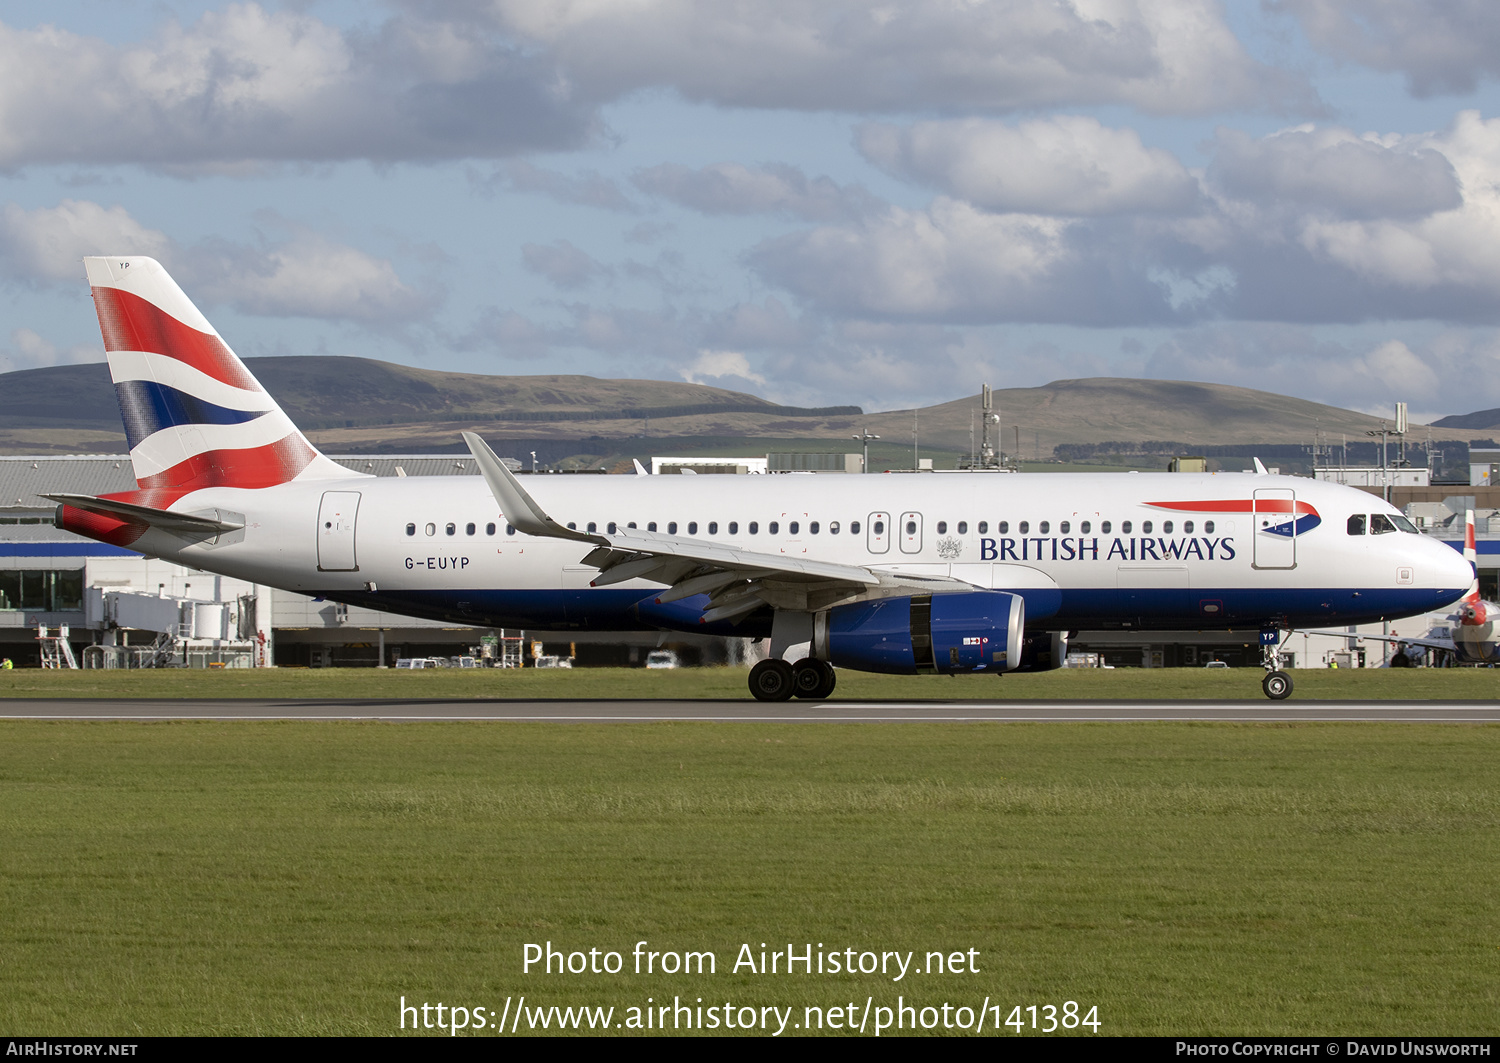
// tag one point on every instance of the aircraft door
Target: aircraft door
(1275, 523)
(911, 533)
(336, 515)
(878, 533)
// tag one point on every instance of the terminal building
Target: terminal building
(122, 609)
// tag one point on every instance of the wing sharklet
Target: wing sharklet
(518, 507)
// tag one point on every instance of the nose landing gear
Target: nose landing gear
(1276, 684)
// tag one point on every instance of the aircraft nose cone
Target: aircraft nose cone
(1453, 572)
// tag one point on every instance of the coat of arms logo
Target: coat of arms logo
(950, 549)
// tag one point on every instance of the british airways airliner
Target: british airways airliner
(903, 574)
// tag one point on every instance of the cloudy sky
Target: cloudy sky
(880, 203)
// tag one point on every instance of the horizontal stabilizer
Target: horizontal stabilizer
(165, 519)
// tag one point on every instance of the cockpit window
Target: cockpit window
(1405, 525)
(1357, 524)
(1380, 524)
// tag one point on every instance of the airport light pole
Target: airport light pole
(865, 437)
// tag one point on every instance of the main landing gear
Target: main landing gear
(775, 680)
(1277, 684)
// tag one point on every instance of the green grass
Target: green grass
(289, 878)
(1188, 683)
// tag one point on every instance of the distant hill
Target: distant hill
(358, 404)
(353, 402)
(1484, 420)
(1103, 408)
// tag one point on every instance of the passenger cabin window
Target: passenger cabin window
(791, 529)
(671, 527)
(593, 527)
(1146, 527)
(1083, 528)
(833, 527)
(854, 527)
(942, 527)
(734, 527)
(879, 527)
(1187, 527)
(1065, 527)
(431, 529)
(1166, 527)
(611, 527)
(1208, 527)
(772, 528)
(963, 527)
(470, 529)
(754, 527)
(1024, 527)
(510, 531)
(1125, 527)
(1104, 528)
(1003, 528)
(1044, 527)
(651, 525)
(631, 524)
(411, 529)
(692, 527)
(713, 527)
(813, 528)
(984, 527)
(489, 529)
(1380, 524)
(451, 528)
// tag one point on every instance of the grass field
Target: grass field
(1067, 684)
(295, 878)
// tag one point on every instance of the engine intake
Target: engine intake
(977, 631)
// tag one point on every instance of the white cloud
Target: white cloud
(562, 264)
(588, 189)
(954, 262)
(723, 369)
(29, 350)
(306, 276)
(1306, 225)
(1167, 56)
(244, 85)
(1332, 170)
(1067, 165)
(1440, 47)
(48, 244)
(730, 188)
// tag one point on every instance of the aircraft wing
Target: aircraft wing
(1405, 640)
(737, 581)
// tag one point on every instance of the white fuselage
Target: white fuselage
(439, 547)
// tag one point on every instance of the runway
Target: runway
(735, 711)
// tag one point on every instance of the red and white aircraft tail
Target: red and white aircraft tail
(1472, 610)
(195, 417)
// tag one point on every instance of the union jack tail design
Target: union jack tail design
(194, 416)
(1472, 610)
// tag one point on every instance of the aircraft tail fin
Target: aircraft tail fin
(194, 416)
(1471, 554)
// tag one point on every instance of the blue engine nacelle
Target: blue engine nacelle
(973, 631)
